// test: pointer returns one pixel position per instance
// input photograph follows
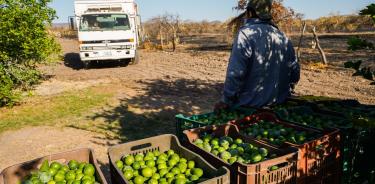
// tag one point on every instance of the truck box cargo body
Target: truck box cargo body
(107, 29)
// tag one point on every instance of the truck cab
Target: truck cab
(107, 30)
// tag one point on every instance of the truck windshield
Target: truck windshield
(104, 22)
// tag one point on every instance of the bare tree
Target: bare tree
(171, 23)
(321, 51)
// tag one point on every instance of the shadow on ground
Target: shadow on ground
(153, 113)
(73, 61)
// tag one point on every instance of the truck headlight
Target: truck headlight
(126, 46)
(87, 48)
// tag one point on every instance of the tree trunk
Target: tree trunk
(161, 40)
(300, 41)
(321, 51)
(174, 40)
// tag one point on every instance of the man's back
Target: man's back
(262, 66)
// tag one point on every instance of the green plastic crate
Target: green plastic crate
(197, 121)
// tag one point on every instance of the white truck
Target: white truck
(107, 30)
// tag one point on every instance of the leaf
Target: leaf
(348, 64)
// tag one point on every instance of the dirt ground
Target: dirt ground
(162, 85)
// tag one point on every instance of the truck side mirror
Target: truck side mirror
(72, 23)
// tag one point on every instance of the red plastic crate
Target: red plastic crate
(319, 160)
(258, 173)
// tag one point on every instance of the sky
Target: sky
(221, 10)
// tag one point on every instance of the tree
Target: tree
(165, 27)
(24, 43)
(281, 15)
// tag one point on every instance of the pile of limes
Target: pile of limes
(220, 117)
(56, 173)
(278, 134)
(317, 122)
(155, 167)
(232, 151)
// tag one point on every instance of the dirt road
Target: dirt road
(149, 94)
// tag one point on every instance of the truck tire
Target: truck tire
(135, 60)
(86, 65)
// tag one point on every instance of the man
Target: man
(263, 68)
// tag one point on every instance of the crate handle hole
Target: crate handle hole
(141, 146)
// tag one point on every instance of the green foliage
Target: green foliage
(24, 24)
(370, 11)
(7, 96)
(24, 42)
(356, 43)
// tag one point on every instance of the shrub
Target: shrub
(24, 43)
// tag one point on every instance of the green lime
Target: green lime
(81, 165)
(55, 165)
(129, 160)
(59, 177)
(76, 182)
(87, 181)
(169, 175)
(45, 166)
(156, 176)
(172, 162)
(273, 168)
(89, 169)
(147, 172)
(138, 180)
(191, 164)
(182, 167)
(153, 181)
(138, 157)
(73, 164)
(175, 157)
(79, 176)
(150, 163)
(86, 177)
(162, 166)
(64, 168)
(238, 141)
(170, 152)
(175, 171)
(51, 182)
(197, 171)
(136, 165)
(128, 174)
(163, 172)
(180, 181)
(70, 175)
(256, 158)
(263, 152)
(62, 172)
(194, 178)
(183, 160)
(119, 164)
(52, 172)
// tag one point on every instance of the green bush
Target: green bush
(356, 43)
(24, 43)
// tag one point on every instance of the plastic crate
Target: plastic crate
(318, 160)
(185, 123)
(163, 143)
(349, 133)
(16, 173)
(258, 173)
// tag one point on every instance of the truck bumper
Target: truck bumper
(101, 55)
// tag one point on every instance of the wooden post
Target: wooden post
(321, 51)
(300, 40)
